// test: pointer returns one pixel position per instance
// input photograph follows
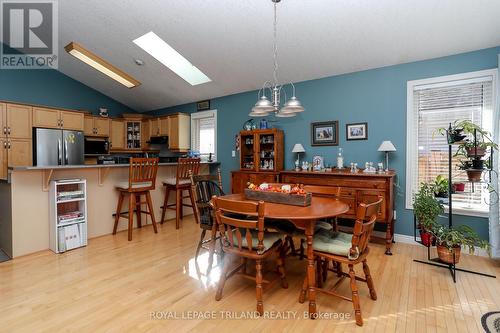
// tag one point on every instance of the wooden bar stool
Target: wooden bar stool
(185, 168)
(141, 180)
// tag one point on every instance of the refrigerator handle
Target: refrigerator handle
(65, 152)
(59, 152)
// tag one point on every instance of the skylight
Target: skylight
(169, 57)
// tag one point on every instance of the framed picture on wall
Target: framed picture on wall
(325, 133)
(203, 105)
(358, 131)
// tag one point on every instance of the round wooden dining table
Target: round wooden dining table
(303, 218)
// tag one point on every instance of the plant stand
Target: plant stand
(436, 261)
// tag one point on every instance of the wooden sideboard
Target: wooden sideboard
(239, 179)
(356, 188)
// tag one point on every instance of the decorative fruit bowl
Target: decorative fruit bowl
(279, 193)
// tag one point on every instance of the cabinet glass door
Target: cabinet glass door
(247, 152)
(133, 134)
(267, 161)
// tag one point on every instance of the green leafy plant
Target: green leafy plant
(441, 186)
(462, 235)
(426, 207)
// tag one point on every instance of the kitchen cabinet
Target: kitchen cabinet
(179, 132)
(96, 126)
(164, 126)
(133, 134)
(15, 136)
(19, 152)
(117, 138)
(18, 121)
(53, 118)
(3, 158)
(154, 127)
(145, 134)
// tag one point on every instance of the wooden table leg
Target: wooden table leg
(311, 274)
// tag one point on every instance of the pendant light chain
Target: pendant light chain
(275, 41)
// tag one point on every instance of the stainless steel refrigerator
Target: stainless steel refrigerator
(57, 147)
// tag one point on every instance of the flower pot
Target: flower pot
(459, 187)
(441, 195)
(456, 136)
(446, 255)
(427, 238)
(477, 164)
(474, 175)
(476, 152)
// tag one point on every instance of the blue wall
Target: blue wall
(375, 96)
(52, 88)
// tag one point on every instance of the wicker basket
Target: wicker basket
(446, 255)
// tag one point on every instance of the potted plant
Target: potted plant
(473, 174)
(450, 241)
(441, 187)
(459, 187)
(426, 209)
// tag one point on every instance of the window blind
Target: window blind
(203, 134)
(438, 106)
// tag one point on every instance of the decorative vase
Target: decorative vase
(446, 255)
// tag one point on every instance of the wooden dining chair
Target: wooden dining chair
(348, 249)
(247, 239)
(319, 191)
(141, 180)
(204, 187)
(185, 168)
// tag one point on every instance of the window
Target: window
(204, 133)
(435, 103)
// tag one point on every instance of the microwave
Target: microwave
(96, 146)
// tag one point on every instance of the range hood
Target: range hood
(158, 140)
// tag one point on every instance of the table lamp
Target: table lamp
(298, 148)
(386, 147)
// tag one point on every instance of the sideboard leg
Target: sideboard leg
(389, 236)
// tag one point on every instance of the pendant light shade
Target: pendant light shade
(282, 114)
(262, 107)
(293, 105)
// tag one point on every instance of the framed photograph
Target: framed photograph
(357, 131)
(203, 105)
(325, 133)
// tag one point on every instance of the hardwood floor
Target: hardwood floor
(114, 285)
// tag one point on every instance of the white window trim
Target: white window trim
(204, 114)
(411, 135)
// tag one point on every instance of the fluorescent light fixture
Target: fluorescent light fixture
(101, 65)
(169, 57)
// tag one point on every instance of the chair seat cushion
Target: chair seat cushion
(270, 238)
(173, 181)
(322, 225)
(124, 185)
(338, 243)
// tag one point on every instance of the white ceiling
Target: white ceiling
(231, 41)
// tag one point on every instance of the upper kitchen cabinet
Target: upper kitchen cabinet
(97, 126)
(179, 133)
(53, 118)
(159, 126)
(117, 138)
(17, 121)
(145, 134)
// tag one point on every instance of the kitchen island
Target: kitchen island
(24, 202)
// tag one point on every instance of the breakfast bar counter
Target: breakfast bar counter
(24, 201)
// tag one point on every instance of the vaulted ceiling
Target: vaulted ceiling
(231, 41)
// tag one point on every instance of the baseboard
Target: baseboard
(399, 238)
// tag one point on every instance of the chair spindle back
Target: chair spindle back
(363, 227)
(187, 167)
(143, 170)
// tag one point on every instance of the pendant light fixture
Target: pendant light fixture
(265, 106)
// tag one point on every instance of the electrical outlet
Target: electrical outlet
(233, 153)
(394, 214)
